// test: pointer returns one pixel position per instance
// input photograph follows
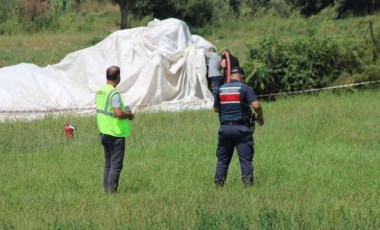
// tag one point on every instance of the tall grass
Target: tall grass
(317, 166)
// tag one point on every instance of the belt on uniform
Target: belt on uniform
(234, 123)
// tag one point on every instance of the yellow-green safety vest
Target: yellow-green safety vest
(107, 122)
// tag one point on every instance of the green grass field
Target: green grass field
(317, 160)
(317, 166)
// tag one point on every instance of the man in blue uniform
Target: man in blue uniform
(234, 104)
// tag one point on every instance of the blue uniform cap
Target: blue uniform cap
(237, 69)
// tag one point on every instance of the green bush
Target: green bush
(41, 23)
(193, 12)
(283, 66)
(372, 71)
(87, 24)
(10, 28)
(280, 7)
(203, 16)
(6, 9)
(369, 73)
(346, 78)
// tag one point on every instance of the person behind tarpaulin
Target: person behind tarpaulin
(214, 70)
(233, 62)
(234, 104)
(114, 126)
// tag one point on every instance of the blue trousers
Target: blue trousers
(229, 138)
(114, 148)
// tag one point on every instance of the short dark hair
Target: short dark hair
(225, 51)
(113, 72)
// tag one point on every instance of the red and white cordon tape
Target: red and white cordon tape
(315, 90)
(89, 109)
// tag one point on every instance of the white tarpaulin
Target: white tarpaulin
(162, 67)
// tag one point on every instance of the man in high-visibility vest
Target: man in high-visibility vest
(234, 103)
(114, 125)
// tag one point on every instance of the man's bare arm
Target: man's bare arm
(122, 115)
(259, 111)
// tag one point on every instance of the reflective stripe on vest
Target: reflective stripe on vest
(230, 95)
(104, 111)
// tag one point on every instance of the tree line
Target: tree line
(201, 12)
(195, 13)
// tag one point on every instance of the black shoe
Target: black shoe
(248, 184)
(247, 180)
(219, 185)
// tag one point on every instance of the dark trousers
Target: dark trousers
(113, 161)
(229, 137)
(216, 82)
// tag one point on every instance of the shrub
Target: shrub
(6, 8)
(45, 22)
(372, 71)
(33, 9)
(10, 27)
(193, 12)
(283, 66)
(36, 15)
(203, 16)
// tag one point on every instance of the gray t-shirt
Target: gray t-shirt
(214, 68)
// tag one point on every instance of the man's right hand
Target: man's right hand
(123, 115)
(131, 116)
(260, 120)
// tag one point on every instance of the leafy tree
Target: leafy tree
(157, 8)
(196, 12)
(310, 7)
(125, 6)
(257, 3)
(235, 7)
(358, 8)
(193, 12)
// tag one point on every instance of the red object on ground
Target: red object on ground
(69, 131)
